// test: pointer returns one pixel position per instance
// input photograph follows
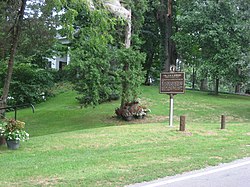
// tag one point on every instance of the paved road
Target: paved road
(235, 174)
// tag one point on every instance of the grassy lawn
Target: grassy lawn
(70, 146)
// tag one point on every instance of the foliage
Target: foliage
(211, 36)
(2, 128)
(13, 34)
(96, 67)
(38, 35)
(94, 81)
(133, 76)
(8, 9)
(151, 38)
(98, 79)
(29, 84)
(14, 130)
(138, 9)
(38, 38)
(32, 46)
(91, 71)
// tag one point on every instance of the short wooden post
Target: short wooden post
(223, 121)
(182, 123)
(2, 140)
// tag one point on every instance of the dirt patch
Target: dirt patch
(235, 118)
(207, 133)
(187, 133)
(47, 181)
(147, 119)
(40, 181)
(216, 157)
(210, 133)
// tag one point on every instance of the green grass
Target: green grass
(70, 146)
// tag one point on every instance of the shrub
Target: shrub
(29, 84)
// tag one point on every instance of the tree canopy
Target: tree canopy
(209, 40)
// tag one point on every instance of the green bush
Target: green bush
(131, 74)
(94, 80)
(29, 84)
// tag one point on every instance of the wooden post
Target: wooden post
(182, 123)
(223, 121)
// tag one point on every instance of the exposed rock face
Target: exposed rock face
(116, 8)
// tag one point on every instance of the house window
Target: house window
(62, 65)
(49, 64)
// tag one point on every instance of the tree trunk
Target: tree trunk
(237, 88)
(116, 8)
(16, 29)
(216, 90)
(147, 67)
(162, 26)
(193, 79)
(203, 85)
(2, 47)
(128, 32)
(238, 85)
(125, 85)
(170, 46)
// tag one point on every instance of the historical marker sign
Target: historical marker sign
(172, 82)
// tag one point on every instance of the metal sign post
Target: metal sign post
(172, 83)
(171, 111)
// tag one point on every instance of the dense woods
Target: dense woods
(115, 46)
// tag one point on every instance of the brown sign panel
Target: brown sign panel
(172, 82)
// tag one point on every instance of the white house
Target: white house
(59, 62)
(113, 6)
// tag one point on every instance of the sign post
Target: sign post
(171, 111)
(172, 83)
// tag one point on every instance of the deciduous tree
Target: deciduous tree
(16, 24)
